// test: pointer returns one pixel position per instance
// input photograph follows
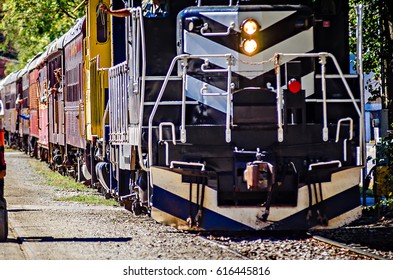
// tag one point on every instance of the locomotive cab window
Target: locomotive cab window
(102, 26)
(154, 8)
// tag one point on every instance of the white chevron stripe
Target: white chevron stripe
(264, 18)
(199, 45)
(224, 18)
(171, 182)
(308, 84)
(193, 87)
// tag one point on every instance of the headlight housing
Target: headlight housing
(250, 37)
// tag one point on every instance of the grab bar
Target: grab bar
(350, 128)
(226, 33)
(324, 163)
(188, 164)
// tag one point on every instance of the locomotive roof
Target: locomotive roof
(74, 31)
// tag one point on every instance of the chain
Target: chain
(270, 60)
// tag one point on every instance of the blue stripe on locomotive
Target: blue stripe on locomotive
(179, 207)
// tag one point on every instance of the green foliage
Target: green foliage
(30, 25)
(56, 179)
(377, 43)
(90, 199)
(384, 169)
(369, 192)
(70, 187)
(383, 180)
(380, 208)
(372, 40)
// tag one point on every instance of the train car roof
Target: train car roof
(11, 78)
(75, 30)
(33, 62)
(23, 71)
(45, 54)
(56, 45)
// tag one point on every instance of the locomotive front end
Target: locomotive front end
(261, 144)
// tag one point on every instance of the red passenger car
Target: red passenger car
(56, 104)
(43, 93)
(33, 104)
(73, 90)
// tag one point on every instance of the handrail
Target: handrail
(350, 128)
(280, 131)
(325, 130)
(80, 118)
(155, 107)
(160, 138)
(230, 86)
(226, 33)
(206, 70)
(173, 131)
(183, 135)
(322, 56)
(338, 68)
(200, 2)
(346, 139)
(118, 115)
(187, 163)
(142, 87)
(324, 163)
(184, 58)
(103, 125)
(204, 89)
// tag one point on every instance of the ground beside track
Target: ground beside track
(45, 229)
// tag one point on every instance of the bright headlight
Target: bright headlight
(249, 46)
(250, 26)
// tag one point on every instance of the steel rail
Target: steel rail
(348, 247)
(224, 247)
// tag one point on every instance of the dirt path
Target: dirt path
(49, 229)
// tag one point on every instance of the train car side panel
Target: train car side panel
(74, 100)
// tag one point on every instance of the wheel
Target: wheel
(3, 220)
(136, 208)
(107, 195)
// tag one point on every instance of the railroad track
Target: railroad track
(224, 247)
(293, 242)
(347, 247)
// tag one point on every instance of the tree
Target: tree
(378, 58)
(377, 44)
(30, 25)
